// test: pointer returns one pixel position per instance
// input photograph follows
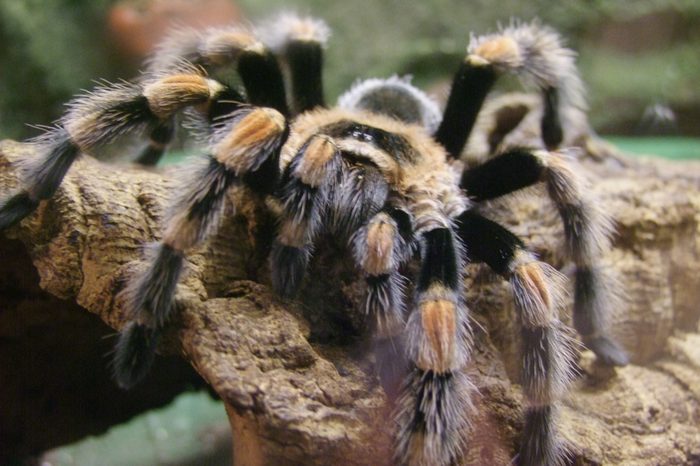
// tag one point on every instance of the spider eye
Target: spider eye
(362, 136)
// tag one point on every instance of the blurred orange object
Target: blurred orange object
(136, 26)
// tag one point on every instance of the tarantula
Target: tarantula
(380, 173)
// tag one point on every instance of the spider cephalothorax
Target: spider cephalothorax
(380, 174)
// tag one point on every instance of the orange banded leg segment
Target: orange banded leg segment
(547, 353)
(303, 195)
(381, 247)
(435, 404)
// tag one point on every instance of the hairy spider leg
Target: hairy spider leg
(242, 151)
(158, 140)
(94, 119)
(210, 50)
(470, 86)
(551, 125)
(381, 248)
(226, 102)
(587, 231)
(304, 195)
(299, 42)
(546, 350)
(327, 190)
(339, 204)
(533, 52)
(435, 405)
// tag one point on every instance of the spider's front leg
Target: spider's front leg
(381, 248)
(304, 191)
(435, 405)
(246, 150)
(322, 192)
(547, 352)
(97, 118)
(299, 42)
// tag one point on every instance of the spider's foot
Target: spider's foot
(432, 413)
(134, 354)
(608, 351)
(15, 208)
(288, 265)
(539, 446)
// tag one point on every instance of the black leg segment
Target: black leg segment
(160, 137)
(487, 241)
(439, 263)
(469, 89)
(262, 78)
(134, 354)
(502, 175)
(306, 63)
(552, 133)
(15, 208)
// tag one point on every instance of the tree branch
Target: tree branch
(297, 392)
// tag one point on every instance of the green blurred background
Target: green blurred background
(640, 60)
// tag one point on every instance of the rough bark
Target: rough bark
(55, 383)
(297, 377)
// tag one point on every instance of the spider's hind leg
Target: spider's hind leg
(537, 55)
(547, 351)
(587, 230)
(299, 42)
